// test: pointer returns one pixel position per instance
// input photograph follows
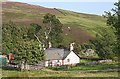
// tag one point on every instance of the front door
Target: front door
(50, 63)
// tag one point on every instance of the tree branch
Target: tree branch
(49, 31)
(37, 38)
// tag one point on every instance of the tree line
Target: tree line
(28, 43)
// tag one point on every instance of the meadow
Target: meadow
(99, 70)
(45, 73)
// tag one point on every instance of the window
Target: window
(68, 60)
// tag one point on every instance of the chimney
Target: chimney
(50, 45)
(71, 46)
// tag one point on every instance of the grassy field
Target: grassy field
(44, 73)
(104, 66)
(75, 71)
(91, 24)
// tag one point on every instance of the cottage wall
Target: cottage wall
(72, 58)
(53, 63)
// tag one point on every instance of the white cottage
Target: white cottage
(58, 57)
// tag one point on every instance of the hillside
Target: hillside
(83, 26)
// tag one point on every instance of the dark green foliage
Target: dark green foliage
(17, 39)
(113, 19)
(77, 48)
(9, 33)
(36, 27)
(104, 45)
(53, 29)
(29, 52)
(33, 29)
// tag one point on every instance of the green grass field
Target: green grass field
(90, 23)
(43, 73)
(104, 66)
(75, 71)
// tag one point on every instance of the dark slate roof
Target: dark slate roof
(56, 53)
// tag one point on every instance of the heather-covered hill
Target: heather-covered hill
(83, 27)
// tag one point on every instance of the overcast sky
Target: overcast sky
(84, 6)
